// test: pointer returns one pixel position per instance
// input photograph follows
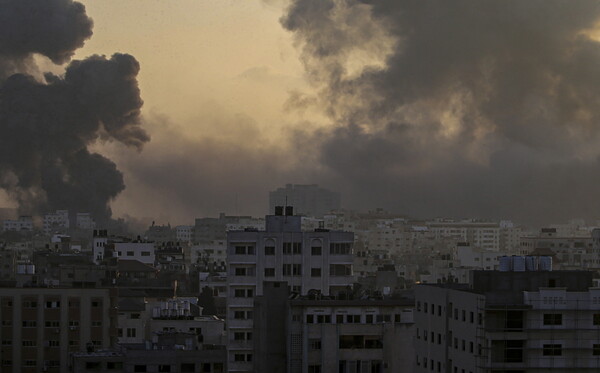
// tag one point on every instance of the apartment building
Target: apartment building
(57, 220)
(40, 327)
(319, 260)
(23, 224)
(485, 235)
(508, 321)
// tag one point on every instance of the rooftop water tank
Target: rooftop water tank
(518, 263)
(505, 263)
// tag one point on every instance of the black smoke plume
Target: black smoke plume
(486, 108)
(47, 125)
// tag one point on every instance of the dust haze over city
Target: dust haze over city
(155, 145)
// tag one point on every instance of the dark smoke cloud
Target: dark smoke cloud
(47, 126)
(485, 108)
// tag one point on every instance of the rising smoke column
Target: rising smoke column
(47, 124)
(485, 108)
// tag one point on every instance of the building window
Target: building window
(131, 332)
(29, 344)
(53, 304)
(340, 248)
(244, 250)
(315, 250)
(164, 368)
(353, 319)
(269, 250)
(29, 324)
(287, 248)
(552, 350)
(315, 272)
(130, 253)
(597, 319)
(243, 293)
(139, 368)
(596, 349)
(552, 319)
(314, 344)
(297, 247)
(269, 272)
(145, 253)
(340, 270)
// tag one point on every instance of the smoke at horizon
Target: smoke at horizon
(48, 122)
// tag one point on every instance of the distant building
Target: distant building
(509, 321)
(315, 261)
(309, 200)
(84, 220)
(58, 220)
(184, 233)
(23, 224)
(136, 250)
(161, 233)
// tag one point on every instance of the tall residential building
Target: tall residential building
(314, 261)
(41, 327)
(318, 335)
(307, 200)
(509, 321)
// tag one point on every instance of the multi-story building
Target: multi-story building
(142, 251)
(23, 224)
(318, 260)
(572, 252)
(318, 335)
(309, 200)
(84, 220)
(57, 220)
(485, 235)
(184, 233)
(507, 321)
(40, 327)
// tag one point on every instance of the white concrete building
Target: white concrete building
(475, 258)
(319, 260)
(137, 250)
(23, 224)
(485, 235)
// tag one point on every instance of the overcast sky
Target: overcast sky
(484, 109)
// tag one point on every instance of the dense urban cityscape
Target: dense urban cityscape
(310, 287)
(299, 186)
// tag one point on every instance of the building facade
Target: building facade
(315, 261)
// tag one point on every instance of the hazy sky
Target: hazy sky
(459, 108)
(207, 67)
